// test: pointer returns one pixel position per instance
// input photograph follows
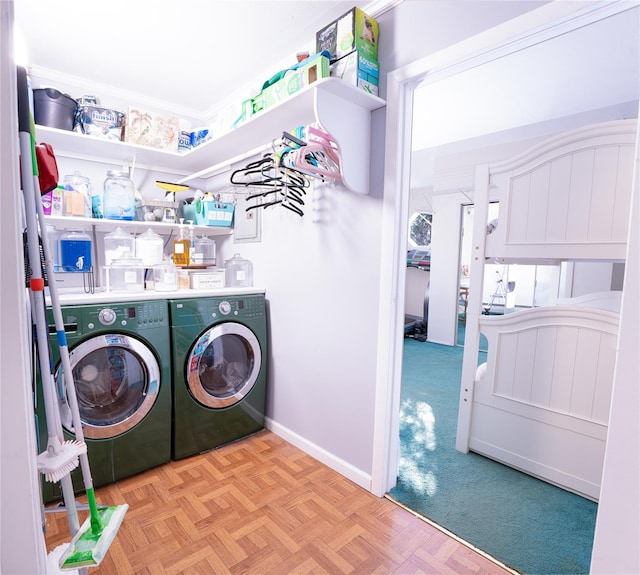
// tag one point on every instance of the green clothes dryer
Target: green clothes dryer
(219, 352)
(120, 357)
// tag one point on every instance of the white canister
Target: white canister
(238, 272)
(118, 244)
(165, 277)
(126, 275)
(150, 248)
(204, 251)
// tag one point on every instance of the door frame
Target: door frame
(550, 20)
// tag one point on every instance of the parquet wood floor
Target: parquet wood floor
(262, 506)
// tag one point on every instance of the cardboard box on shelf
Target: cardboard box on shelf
(153, 130)
(358, 70)
(354, 30)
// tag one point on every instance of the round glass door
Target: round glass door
(117, 379)
(223, 365)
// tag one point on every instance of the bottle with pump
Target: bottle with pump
(181, 248)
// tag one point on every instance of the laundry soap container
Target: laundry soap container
(126, 275)
(75, 251)
(165, 277)
(118, 244)
(238, 272)
(204, 251)
(150, 248)
(119, 197)
(77, 196)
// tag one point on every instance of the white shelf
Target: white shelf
(105, 225)
(344, 111)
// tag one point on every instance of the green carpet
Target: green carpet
(528, 524)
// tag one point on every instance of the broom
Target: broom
(92, 540)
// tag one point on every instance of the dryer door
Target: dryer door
(223, 365)
(117, 379)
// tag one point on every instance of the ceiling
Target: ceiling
(190, 53)
(566, 75)
(556, 85)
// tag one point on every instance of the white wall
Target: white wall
(615, 546)
(322, 276)
(22, 548)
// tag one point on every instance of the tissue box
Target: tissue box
(152, 130)
(96, 121)
(209, 213)
(358, 70)
(352, 31)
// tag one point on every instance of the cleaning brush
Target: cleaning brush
(60, 458)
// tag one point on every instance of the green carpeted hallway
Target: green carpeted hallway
(528, 524)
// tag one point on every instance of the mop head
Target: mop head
(91, 543)
(60, 459)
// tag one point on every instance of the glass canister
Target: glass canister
(77, 196)
(204, 251)
(53, 238)
(126, 275)
(119, 197)
(118, 244)
(165, 276)
(75, 251)
(238, 272)
(150, 248)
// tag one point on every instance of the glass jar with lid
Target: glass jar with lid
(75, 251)
(118, 244)
(119, 197)
(150, 248)
(238, 272)
(126, 274)
(77, 196)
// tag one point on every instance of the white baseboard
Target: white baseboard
(358, 476)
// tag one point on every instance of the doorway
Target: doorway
(441, 71)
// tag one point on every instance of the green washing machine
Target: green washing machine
(120, 355)
(219, 353)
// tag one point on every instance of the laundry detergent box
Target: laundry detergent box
(358, 70)
(98, 121)
(354, 30)
(309, 71)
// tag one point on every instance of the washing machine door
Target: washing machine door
(223, 365)
(117, 379)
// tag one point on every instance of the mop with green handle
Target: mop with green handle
(92, 540)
